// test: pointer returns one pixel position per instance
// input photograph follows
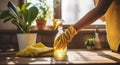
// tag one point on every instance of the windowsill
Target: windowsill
(90, 28)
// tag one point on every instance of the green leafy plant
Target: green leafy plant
(90, 42)
(44, 11)
(22, 17)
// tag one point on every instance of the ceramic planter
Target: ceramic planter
(25, 40)
(90, 48)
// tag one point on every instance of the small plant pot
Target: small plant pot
(41, 24)
(90, 48)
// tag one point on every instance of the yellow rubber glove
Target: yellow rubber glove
(39, 49)
(62, 40)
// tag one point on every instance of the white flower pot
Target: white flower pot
(90, 48)
(25, 40)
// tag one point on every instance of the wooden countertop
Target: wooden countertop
(74, 56)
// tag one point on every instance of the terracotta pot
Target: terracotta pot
(41, 24)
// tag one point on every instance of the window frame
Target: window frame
(57, 10)
(58, 14)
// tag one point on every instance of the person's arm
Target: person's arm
(62, 41)
(94, 14)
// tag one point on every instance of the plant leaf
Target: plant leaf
(18, 26)
(25, 15)
(25, 12)
(13, 9)
(1, 11)
(32, 14)
(4, 14)
(24, 6)
(18, 9)
(7, 19)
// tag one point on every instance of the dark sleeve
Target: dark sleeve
(94, 14)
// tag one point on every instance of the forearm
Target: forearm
(94, 14)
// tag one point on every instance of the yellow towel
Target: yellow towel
(38, 49)
(112, 18)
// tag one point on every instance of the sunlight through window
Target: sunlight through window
(73, 10)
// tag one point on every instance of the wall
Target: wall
(8, 38)
(82, 36)
(8, 25)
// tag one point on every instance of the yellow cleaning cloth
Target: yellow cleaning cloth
(38, 49)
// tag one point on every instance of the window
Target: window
(72, 10)
(49, 2)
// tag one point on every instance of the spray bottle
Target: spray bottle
(97, 40)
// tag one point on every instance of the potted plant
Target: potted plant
(90, 44)
(44, 13)
(22, 18)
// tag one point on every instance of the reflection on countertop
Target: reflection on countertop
(74, 56)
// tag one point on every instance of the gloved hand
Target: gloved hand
(62, 40)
